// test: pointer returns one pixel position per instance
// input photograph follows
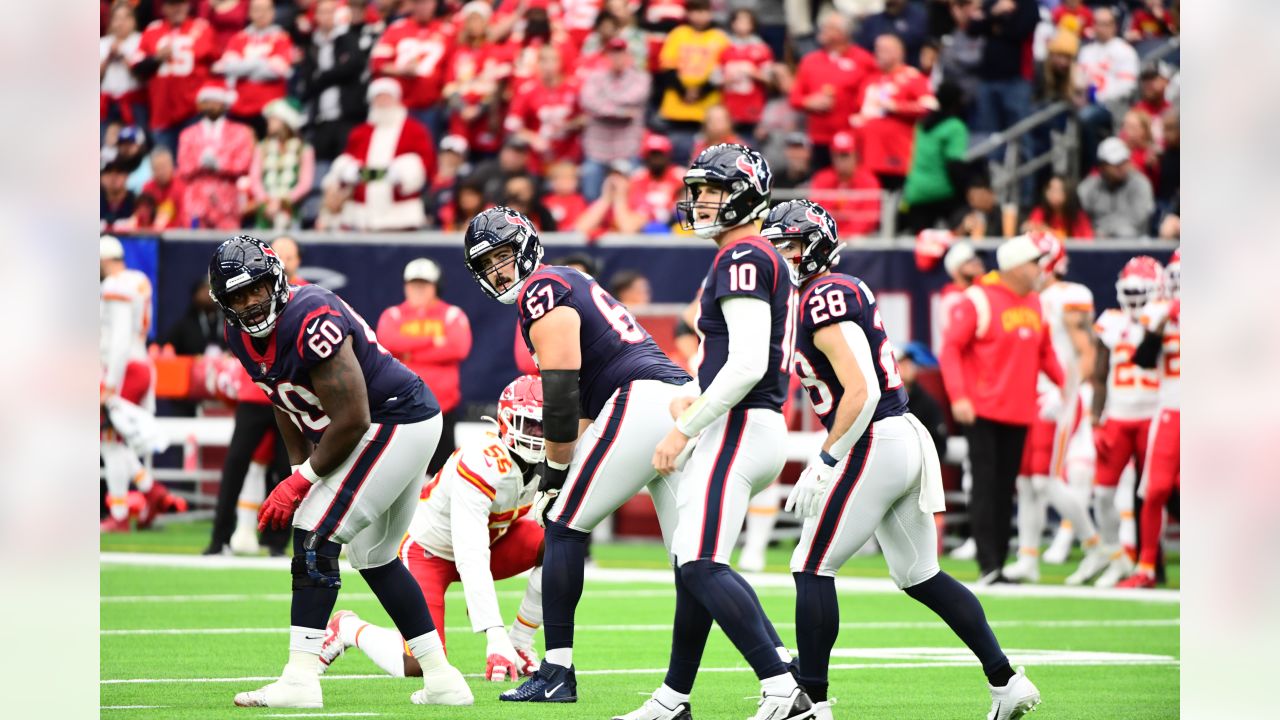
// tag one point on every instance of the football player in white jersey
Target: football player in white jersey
(1124, 400)
(1057, 465)
(1160, 350)
(472, 524)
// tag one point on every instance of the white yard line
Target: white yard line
(886, 625)
(760, 581)
(336, 714)
(132, 707)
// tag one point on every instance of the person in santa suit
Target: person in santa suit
(387, 163)
(257, 62)
(213, 155)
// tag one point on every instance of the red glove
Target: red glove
(277, 509)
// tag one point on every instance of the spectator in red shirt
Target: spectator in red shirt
(656, 186)
(545, 112)
(828, 84)
(414, 50)
(717, 129)
(475, 72)
(225, 18)
(175, 53)
(564, 202)
(1152, 83)
(1059, 212)
(1143, 152)
(164, 191)
(1151, 22)
(849, 191)
(256, 63)
(612, 211)
(747, 65)
(893, 101)
(432, 338)
(1075, 17)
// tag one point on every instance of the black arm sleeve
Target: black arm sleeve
(1148, 352)
(560, 405)
(145, 68)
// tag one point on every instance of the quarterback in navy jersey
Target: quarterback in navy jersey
(360, 429)
(600, 369)
(877, 471)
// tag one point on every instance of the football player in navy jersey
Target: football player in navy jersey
(360, 429)
(877, 471)
(746, 322)
(607, 391)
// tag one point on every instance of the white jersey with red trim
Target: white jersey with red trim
(1169, 365)
(1056, 301)
(1131, 390)
(126, 319)
(464, 509)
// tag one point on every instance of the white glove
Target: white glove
(542, 503)
(810, 491)
(501, 661)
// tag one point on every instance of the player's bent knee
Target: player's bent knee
(914, 576)
(560, 531)
(325, 567)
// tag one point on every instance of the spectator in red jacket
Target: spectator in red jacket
(747, 65)
(257, 60)
(225, 18)
(893, 100)
(432, 338)
(1074, 17)
(828, 84)
(1152, 22)
(656, 187)
(164, 192)
(849, 191)
(1059, 212)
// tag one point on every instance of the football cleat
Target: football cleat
(290, 691)
(1025, 569)
(244, 541)
(1015, 699)
(1095, 561)
(333, 647)
(752, 561)
(654, 710)
(1120, 568)
(1060, 548)
(553, 683)
(792, 706)
(112, 525)
(967, 550)
(528, 660)
(443, 686)
(1140, 580)
(822, 710)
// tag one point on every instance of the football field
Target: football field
(182, 634)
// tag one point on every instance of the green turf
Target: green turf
(259, 599)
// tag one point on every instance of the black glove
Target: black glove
(550, 478)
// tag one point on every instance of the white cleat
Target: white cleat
(654, 710)
(244, 541)
(444, 686)
(752, 562)
(968, 550)
(792, 706)
(822, 710)
(290, 691)
(1095, 561)
(1014, 700)
(1120, 568)
(1025, 569)
(1060, 549)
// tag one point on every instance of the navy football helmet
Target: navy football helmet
(238, 264)
(744, 176)
(493, 230)
(809, 224)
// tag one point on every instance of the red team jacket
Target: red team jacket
(841, 76)
(887, 134)
(276, 48)
(432, 342)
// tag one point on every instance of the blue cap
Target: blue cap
(132, 134)
(918, 353)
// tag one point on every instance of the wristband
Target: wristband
(827, 459)
(305, 471)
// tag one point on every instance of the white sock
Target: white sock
(115, 463)
(762, 515)
(1104, 508)
(1031, 506)
(668, 697)
(304, 650)
(428, 650)
(778, 684)
(251, 495)
(529, 616)
(1075, 514)
(303, 665)
(141, 476)
(384, 647)
(560, 656)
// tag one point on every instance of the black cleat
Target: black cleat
(552, 684)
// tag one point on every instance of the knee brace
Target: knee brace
(315, 562)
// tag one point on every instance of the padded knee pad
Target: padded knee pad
(315, 562)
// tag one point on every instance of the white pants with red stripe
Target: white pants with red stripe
(737, 456)
(613, 459)
(368, 502)
(876, 491)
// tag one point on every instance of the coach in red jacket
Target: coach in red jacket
(432, 338)
(996, 344)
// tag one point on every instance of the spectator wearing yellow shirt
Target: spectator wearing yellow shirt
(689, 66)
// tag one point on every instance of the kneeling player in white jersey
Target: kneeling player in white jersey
(1124, 399)
(472, 525)
(877, 473)
(1058, 459)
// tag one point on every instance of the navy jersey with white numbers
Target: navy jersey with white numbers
(615, 348)
(312, 327)
(837, 298)
(749, 267)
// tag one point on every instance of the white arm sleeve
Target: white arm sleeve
(469, 528)
(119, 315)
(749, 321)
(857, 341)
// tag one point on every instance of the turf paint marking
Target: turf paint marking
(132, 707)
(887, 625)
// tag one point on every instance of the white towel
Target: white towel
(932, 497)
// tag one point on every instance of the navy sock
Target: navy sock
(401, 597)
(689, 634)
(768, 625)
(562, 560)
(960, 609)
(817, 625)
(312, 603)
(737, 613)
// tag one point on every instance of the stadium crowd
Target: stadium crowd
(417, 114)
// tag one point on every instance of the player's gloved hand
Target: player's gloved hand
(502, 663)
(810, 491)
(529, 663)
(277, 509)
(552, 475)
(542, 503)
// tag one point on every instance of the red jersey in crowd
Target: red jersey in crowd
(578, 18)
(524, 58)
(432, 342)
(548, 111)
(168, 200)
(656, 196)
(418, 50)
(172, 90)
(1078, 20)
(225, 20)
(475, 76)
(565, 209)
(841, 77)
(892, 104)
(1058, 224)
(995, 346)
(854, 216)
(742, 94)
(1148, 25)
(270, 45)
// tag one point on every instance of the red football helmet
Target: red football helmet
(520, 418)
(1173, 275)
(1140, 281)
(1054, 260)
